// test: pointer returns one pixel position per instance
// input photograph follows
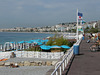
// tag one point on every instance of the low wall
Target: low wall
(32, 54)
(29, 63)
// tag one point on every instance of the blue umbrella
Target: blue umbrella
(38, 40)
(55, 46)
(11, 42)
(35, 41)
(39, 43)
(21, 42)
(44, 47)
(49, 46)
(65, 46)
(29, 42)
(44, 41)
(32, 40)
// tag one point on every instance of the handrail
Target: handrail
(79, 41)
(65, 61)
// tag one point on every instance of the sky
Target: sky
(38, 13)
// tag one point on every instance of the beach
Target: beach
(28, 59)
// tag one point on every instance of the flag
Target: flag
(83, 22)
(80, 28)
(80, 15)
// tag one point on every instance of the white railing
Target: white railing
(34, 54)
(60, 68)
(5, 55)
(62, 64)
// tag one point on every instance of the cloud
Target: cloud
(19, 7)
(47, 12)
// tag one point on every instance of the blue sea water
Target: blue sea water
(21, 36)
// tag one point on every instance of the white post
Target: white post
(77, 26)
(16, 46)
(56, 73)
(65, 62)
(61, 29)
(60, 71)
(28, 45)
(37, 54)
(63, 66)
(4, 48)
(1, 47)
(8, 46)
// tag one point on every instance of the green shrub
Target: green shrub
(58, 41)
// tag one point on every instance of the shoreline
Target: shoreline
(32, 32)
(41, 32)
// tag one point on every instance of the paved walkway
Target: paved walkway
(87, 63)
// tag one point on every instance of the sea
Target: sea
(21, 36)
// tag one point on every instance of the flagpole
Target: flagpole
(82, 26)
(77, 26)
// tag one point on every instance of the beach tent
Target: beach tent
(65, 46)
(44, 47)
(21, 45)
(13, 45)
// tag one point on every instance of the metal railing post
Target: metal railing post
(60, 71)
(63, 66)
(56, 73)
(65, 63)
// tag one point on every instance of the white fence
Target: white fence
(60, 66)
(5, 55)
(32, 54)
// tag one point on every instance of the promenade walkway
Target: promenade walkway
(86, 63)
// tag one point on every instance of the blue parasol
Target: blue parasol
(44, 47)
(55, 46)
(65, 46)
